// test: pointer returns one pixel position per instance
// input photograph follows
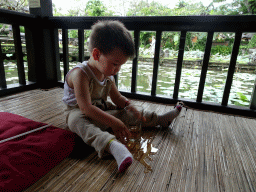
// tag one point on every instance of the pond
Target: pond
(240, 94)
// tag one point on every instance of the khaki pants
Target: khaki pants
(95, 134)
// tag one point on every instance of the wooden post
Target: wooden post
(204, 67)
(65, 51)
(45, 43)
(135, 61)
(179, 64)
(81, 45)
(253, 99)
(19, 54)
(40, 7)
(156, 62)
(2, 72)
(31, 54)
(231, 69)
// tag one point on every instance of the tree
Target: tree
(237, 7)
(15, 5)
(181, 4)
(252, 4)
(183, 9)
(97, 8)
(94, 8)
(245, 6)
(56, 11)
(143, 8)
(20, 6)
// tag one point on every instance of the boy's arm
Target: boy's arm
(81, 89)
(122, 102)
(118, 99)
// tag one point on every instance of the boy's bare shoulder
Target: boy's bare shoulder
(76, 75)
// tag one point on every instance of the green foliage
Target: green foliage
(181, 4)
(93, 8)
(74, 12)
(22, 29)
(252, 4)
(143, 8)
(246, 6)
(87, 34)
(242, 99)
(221, 49)
(200, 44)
(56, 10)
(145, 38)
(7, 49)
(5, 31)
(73, 34)
(97, 8)
(184, 9)
(252, 43)
(242, 96)
(18, 5)
(236, 7)
(170, 40)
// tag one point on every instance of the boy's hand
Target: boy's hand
(121, 132)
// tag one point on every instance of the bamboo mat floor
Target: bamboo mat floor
(201, 151)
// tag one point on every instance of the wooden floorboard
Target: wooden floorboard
(201, 151)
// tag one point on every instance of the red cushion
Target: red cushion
(26, 159)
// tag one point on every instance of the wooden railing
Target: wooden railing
(43, 51)
(16, 20)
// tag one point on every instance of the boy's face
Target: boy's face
(111, 63)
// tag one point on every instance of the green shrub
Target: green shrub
(252, 43)
(200, 44)
(221, 49)
(146, 38)
(22, 29)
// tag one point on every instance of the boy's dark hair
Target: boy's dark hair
(108, 35)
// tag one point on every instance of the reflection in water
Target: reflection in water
(141, 147)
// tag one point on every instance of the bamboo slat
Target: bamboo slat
(201, 151)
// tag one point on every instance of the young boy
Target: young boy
(88, 85)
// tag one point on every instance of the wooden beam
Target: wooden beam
(156, 62)
(135, 61)
(205, 66)
(19, 54)
(65, 51)
(81, 44)
(231, 68)
(166, 23)
(179, 64)
(253, 98)
(2, 71)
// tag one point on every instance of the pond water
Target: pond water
(240, 94)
